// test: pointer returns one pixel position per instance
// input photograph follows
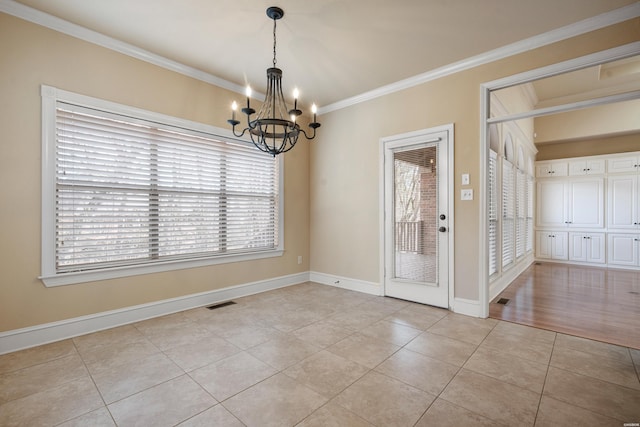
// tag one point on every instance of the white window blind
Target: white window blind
(508, 201)
(529, 219)
(493, 213)
(521, 212)
(134, 192)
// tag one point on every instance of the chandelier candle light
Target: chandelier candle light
(274, 130)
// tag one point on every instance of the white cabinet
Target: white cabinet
(586, 167)
(570, 203)
(623, 249)
(623, 164)
(624, 202)
(551, 245)
(551, 169)
(587, 247)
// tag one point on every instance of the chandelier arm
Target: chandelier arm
(307, 136)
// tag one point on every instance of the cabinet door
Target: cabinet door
(595, 244)
(543, 244)
(551, 206)
(623, 249)
(596, 167)
(622, 201)
(586, 167)
(623, 164)
(577, 247)
(560, 248)
(586, 203)
(549, 170)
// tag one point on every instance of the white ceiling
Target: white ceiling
(331, 50)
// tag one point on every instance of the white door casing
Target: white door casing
(429, 280)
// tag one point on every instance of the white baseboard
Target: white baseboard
(19, 339)
(501, 283)
(467, 307)
(346, 283)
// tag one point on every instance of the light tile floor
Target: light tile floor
(314, 355)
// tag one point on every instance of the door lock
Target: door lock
(442, 229)
(443, 217)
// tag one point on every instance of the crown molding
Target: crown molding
(587, 25)
(35, 16)
(27, 13)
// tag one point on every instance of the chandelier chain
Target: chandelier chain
(274, 42)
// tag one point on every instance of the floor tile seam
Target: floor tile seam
(335, 403)
(607, 361)
(93, 381)
(590, 376)
(508, 353)
(499, 380)
(498, 422)
(321, 393)
(585, 407)
(546, 376)
(182, 373)
(238, 392)
(66, 381)
(600, 356)
(108, 405)
(40, 363)
(630, 389)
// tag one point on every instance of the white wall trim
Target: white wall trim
(500, 284)
(346, 283)
(587, 25)
(35, 16)
(19, 339)
(616, 16)
(467, 307)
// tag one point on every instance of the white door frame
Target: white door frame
(597, 58)
(449, 128)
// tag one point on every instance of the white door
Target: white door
(416, 216)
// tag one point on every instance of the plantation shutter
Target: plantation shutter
(129, 191)
(508, 208)
(529, 219)
(493, 214)
(521, 204)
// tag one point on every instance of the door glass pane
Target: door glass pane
(416, 214)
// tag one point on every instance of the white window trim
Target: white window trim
(50, 97)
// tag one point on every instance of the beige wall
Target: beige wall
(591, 147)
(31, 55)
(344, 161)
(620, 117)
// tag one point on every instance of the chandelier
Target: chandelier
(274, 130)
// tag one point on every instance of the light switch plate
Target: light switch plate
(466, 194)
(465, 179)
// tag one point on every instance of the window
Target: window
(127, 191)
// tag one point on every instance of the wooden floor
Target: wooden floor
(597, 303)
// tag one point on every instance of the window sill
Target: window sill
(135, 270)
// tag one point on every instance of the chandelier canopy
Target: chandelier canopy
(274, 130)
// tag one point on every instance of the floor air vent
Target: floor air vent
(222, 304)
(503, 301)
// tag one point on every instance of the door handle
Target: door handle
(442, 229)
